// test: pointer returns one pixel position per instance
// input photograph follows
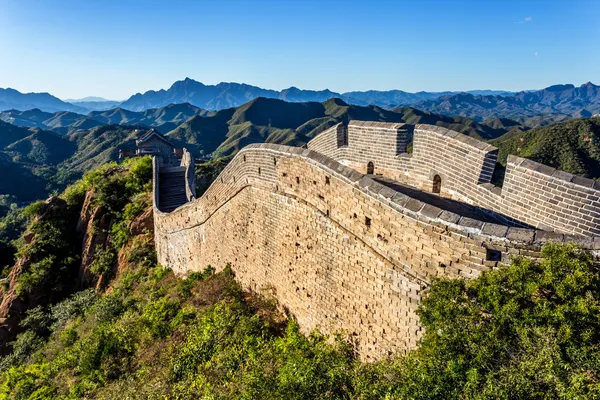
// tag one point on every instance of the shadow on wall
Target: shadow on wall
(447, 204)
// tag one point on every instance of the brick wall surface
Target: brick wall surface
(338, 250)
(532, 194)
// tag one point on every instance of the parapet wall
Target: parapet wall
(338, 250)
(532, 194)
(187, 161)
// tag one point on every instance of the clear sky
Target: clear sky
(115, 48)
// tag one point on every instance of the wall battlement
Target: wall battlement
(339, 250)
(532, 194)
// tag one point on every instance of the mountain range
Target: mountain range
(13, 99)
(49, 150)
(565, 100)
(229, 94)
(64, 122)
(538, 107)
(214, 97)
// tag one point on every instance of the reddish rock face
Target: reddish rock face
(96, 235)
(142, 223)
(13, 308)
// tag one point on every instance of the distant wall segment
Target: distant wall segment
(338, 250)
(532, 194)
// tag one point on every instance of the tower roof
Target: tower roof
(153, 133)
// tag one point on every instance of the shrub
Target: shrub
(140, 172)
(33, 210)
(72, 307)
(37, 320)
(23, 347)
(104, 261)
(134, 209)
(142, 250)
(74, 194)
(527, 330)
(52, 255)
(188, 283)
(157, 316)
(119, 234)
(108, 307)
(27, 382)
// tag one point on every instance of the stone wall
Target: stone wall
(532, 194)
(338, 250)
(187, 161)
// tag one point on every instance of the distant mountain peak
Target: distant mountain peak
(13, 99)
(559, 88)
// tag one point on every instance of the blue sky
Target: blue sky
(115, 48)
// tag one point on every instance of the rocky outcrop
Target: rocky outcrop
(94, 226)
(13, 307)
(143, 223)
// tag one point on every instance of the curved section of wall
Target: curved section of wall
(338, 250)
(533, 194)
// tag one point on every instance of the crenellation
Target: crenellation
(532, 193)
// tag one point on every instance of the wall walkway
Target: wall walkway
(532, 194)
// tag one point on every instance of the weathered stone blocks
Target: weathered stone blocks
(532, 195)
(337, 250)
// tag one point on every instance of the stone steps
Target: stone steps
(171, 189)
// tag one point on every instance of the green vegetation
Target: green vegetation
(47, 161)
(54, 253)
(529, 330)
(207, 172)
(572, 146)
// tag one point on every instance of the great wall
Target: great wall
(347, 233)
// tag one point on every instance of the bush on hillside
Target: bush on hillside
(529, 330)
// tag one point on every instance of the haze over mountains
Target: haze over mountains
(583, 101)
(52, 149)
(228, 94)
(560, 102)
(13, 99)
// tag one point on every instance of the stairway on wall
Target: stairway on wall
(171, 188)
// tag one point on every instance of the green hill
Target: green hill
(42, 147)
(202, 135)
(483, 131)
(572, 146)
(25, 181)
(10, 133)
(35, 161)
(100, 145)
(82, 145)
(270, 120)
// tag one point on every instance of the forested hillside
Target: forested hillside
(572, 146)
(106, 321)
(51, 150)
(36, 162)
